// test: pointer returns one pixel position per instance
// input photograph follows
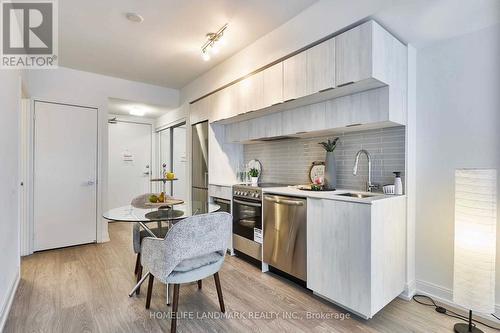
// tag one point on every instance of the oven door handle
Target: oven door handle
(253, 204)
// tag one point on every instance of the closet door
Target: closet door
(65, 177)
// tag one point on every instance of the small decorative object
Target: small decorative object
(316, 187)
(170, 175)
(164, 173)
(255, 164)
(317, 172)
(330, 168)
(475, 242)
(254, 175)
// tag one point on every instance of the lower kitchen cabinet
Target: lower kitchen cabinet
(356, 252)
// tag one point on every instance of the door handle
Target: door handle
(284, 201)
(252, 204)
(345, 84)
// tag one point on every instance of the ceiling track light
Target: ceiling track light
(213, 43)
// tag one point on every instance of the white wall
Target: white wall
(88, 89)
(458, 125)
(314, 23)
(10, 99)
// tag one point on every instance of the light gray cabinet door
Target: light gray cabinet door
(368, 107)
(249, 94)
(273, 85)
(321, 67)
(304, 119)
(225, 103)
(338, 252)
(294, 77)
(353, 55)
(200, 111)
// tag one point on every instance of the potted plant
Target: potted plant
(254, 175)
(330, 168)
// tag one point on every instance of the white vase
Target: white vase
(255, 180)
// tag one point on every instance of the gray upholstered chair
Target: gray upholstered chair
(138, 234)
(192, 250)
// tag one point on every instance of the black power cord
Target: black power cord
(449, 312)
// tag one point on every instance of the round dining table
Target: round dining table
(144, 216)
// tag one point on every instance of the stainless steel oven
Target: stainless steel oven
(225, 205)
(247, 221)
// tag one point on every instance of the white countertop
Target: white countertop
(332, 195)
(222, 184)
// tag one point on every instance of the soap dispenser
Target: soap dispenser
(398, 185)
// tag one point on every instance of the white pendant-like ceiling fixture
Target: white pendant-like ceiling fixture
(213, 44)
(134, 17)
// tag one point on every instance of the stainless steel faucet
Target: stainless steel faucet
(369, 185)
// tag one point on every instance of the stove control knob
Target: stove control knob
(256, 195)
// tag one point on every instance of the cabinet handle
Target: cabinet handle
(289, 100)
(345, 84)
(352, 125)
(326, 89)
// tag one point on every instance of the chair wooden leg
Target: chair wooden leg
(139, 276)
(150, 290)
(199, 284)
(219, 292)
(175, 306)
(137, 263)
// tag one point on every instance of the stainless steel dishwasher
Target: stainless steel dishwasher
(285, 234)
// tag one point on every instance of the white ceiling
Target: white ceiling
(118, 106)
(165, 49)
(423, 22)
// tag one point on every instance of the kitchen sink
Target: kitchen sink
(357, 195)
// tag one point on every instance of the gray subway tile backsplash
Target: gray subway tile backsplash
(288, 161)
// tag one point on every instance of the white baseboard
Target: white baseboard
(410, 290)
(8, 302)
(445, 296)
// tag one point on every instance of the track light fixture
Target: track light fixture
(214, 41)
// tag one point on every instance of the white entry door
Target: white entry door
(65, 178)
(129, 162)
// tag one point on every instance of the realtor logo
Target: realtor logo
(29, 34)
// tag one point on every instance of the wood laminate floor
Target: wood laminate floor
(84, 289)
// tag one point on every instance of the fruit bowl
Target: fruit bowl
(167, 202)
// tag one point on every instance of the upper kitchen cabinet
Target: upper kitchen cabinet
(225, 104)
(272, 78)
(294, 77)
(320, 71)
(358, 60)
(353, 55)
(369, 53)
(249, 94)
(200, 110)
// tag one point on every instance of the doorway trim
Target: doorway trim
(170, 127)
